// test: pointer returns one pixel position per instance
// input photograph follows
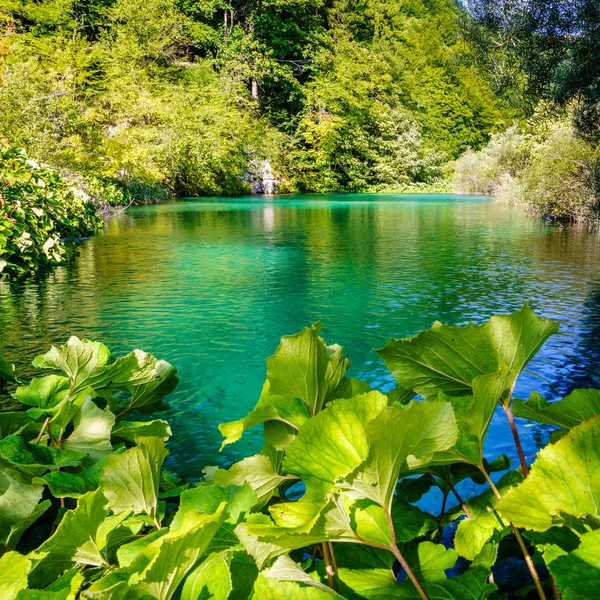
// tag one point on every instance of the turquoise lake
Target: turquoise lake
(211, 284)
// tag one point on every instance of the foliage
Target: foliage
(546, 166)
(181, 98)
(41, 214)
(328, 508)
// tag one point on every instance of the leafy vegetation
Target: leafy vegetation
(329, 507)
(40, 213)
(190, 98)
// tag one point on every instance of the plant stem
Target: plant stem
(333, 558)
(460, 501)
(526, 555)
(402, 560)
(530, 565)
(41, 433)
(409, 572)
(328, 567)
(515, 433)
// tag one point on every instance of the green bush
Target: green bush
(328, 508)
(547, 167)
(41, 215)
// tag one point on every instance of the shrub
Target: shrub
(550, 169)
(41, 214)
(328, 508)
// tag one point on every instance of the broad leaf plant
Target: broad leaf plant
(330, 507)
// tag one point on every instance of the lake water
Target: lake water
(210, 285)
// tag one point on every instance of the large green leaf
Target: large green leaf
(44, 393)
(154, 380)
(162, 565)
(518, 337)
(17, 529)
(78, 540)
(441, 359)
(447, 359)
(25, 454)
(257, 471)
(429, 561)
(92, 431)
(573, 409)
(212, 579)
(14, 568)
(63, 484)
(268, 588)
(401, 436)
(304, 367)
(564, 482)
(130, 430)
(579, 571)
(270, 407)
(207, 499)
(130, 481)
(334, 442)
(77, 358)
(474, 414)
(472, 534)
(19, 499)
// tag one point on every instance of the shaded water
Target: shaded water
(211, 285)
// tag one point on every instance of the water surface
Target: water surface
(211, 284)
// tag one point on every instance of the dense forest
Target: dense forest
(190, 97)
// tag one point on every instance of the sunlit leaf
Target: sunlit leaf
(573, 409)
(130, 481)
(304, 367)
(563, 481)
(14, 568)
(212, 579)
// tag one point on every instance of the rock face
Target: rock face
(262, 179)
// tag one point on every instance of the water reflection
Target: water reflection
(211, 286)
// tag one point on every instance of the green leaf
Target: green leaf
(130, 481)
(161, 567)
(14, 568)
(579, 571)
(349, 387)
(255, 470)
(261, 551)
(154, 380)
(334, 442)
(77, 358)
(410, 522)
(207, 499)
(474, 414)
(20, 527)
(304, 367)
(19, 499)
(363, 583)
(212, 579)
(400, 436)
(441, 359)
(25, 454)
(92, 431)
(472, 534)
(44, 393)
(268, 588)
(447, 359)
(66, 587)
(127, 553)
(270, 407)
(18, 423)
(518, 337)
(63, 484)
(429, 561)
(130, 430)
(285, 569)
(564, 481)
(554, 542)
(578, 406)
(78, 540)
